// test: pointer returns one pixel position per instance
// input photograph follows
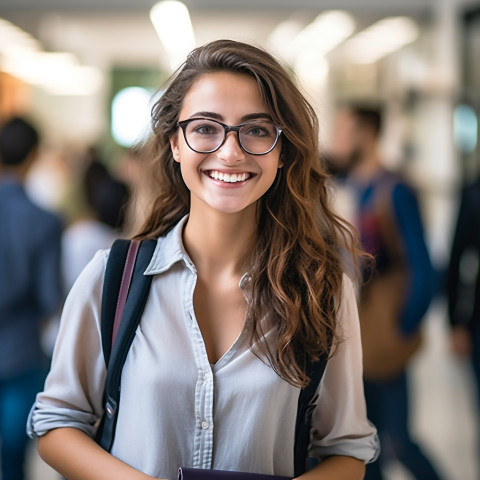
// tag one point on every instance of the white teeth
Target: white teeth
(227, 177)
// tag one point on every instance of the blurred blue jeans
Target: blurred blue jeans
(17, 395)
(387, 408)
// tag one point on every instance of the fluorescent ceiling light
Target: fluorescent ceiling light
(318, 38)
(327, 31)
(11, 35)
(380, 39)
(305, 49)
(282, 37)
(172, 23)
(56, 72)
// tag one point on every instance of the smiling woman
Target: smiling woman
(249, 303)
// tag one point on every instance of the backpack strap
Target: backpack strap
(125, 293)
(115, 274)
(306, 405)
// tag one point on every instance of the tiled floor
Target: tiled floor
(444, 419)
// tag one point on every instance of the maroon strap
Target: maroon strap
(125, 285)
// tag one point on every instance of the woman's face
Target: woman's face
(228, 180)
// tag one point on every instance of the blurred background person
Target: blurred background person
(100, 206)
(463, 283)
(397, 288)
(30, 290)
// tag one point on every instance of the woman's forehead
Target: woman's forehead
(225, 93)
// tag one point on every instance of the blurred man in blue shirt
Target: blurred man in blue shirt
(396, 292)
(30, 290)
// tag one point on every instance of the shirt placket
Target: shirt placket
(204, 388)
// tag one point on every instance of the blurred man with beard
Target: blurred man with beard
(394, 296)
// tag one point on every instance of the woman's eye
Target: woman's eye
(258, 131)
(203, 129)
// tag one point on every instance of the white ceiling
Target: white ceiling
(119, 31)
(215, 4)
(106, 32)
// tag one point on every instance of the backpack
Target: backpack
(386, 350)
(125, 292)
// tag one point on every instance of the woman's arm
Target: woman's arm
(337, 468)
(76, 456)
(341, 431)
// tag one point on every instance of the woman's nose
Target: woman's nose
(231, 151)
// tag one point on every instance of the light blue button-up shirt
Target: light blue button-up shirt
(176, 409)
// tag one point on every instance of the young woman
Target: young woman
(247, 284)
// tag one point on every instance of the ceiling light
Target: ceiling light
(380, 39)
(172, 23)
(327, 31)
(59, 73)
(56, 72)
(318, 38)
(12, 36)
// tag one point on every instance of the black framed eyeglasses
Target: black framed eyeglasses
(204, 135)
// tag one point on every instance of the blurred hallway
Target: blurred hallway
(443, 413)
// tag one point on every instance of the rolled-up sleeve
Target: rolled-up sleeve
(73, 391)
(339, 422)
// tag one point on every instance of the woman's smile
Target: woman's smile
(229, 177)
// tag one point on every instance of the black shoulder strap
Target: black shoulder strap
(135, 304)
(111, 290)
(306, 404)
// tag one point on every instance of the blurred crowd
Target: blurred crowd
(55, 213)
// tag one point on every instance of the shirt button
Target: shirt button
(206, 376)
(205, 425)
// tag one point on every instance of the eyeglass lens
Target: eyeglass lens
(203, 135)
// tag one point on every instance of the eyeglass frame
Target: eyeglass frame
(228, 128)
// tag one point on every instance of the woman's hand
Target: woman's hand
(336, 468)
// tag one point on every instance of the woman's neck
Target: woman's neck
(217, 242)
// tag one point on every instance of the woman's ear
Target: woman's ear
(174, 147)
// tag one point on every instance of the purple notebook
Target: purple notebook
(203, 474)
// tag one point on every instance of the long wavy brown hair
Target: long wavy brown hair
(294, 265)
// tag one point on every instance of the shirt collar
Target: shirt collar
(170, 250)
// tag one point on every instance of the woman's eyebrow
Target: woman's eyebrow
(256, 116)
(215, 116)
(245, 118)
